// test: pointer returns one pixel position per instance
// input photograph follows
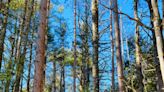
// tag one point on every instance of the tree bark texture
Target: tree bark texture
(40, 51)
(118, 48)
(95, 41)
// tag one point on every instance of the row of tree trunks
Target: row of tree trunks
(25, 36)
(156, 60)
(17, 60)
(3, 31)
(158, 34)
(10, 63)
(84, 35)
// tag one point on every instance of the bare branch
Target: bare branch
(119, 12)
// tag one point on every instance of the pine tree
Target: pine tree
(41, 48)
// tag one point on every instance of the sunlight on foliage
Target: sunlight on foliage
(16, 4)
(60, 8)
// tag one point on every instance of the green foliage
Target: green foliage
(60, 8)
(17, 4)
(3, 76)
(148, 69)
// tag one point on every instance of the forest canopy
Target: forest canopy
(81, 46)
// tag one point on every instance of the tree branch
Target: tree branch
(119, 12)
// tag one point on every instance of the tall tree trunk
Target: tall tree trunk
(54, 77)
(10, 64)
(40, 51)
(29, 68)
(26, 30)
(9, 67)
(75, 56)
(158, 35)
(112, 50)
(62, 78)
(63, 59)
(86, 47)
(61, 88)
(95, 37)
(20, 62)
(3, 32)
(31, 48)
(118, 49)
(140, 86)
(163, 13)
(84, 81)
(63, 85)
(121, 35)
(158, 71)
(21, 85)
(20, 32)
(82, 67)
(16, 49)
(159, 76)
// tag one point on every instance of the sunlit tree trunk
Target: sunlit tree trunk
(84, 81)
(20, 62)
(25, 31)
(3, 32)
(158, 71)
(16, 44)
(121, 35)
(140, 86)
(112, 50)
(118, 48)
(158, 35)
(95, 41)
(40, 50)
(83, 66)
